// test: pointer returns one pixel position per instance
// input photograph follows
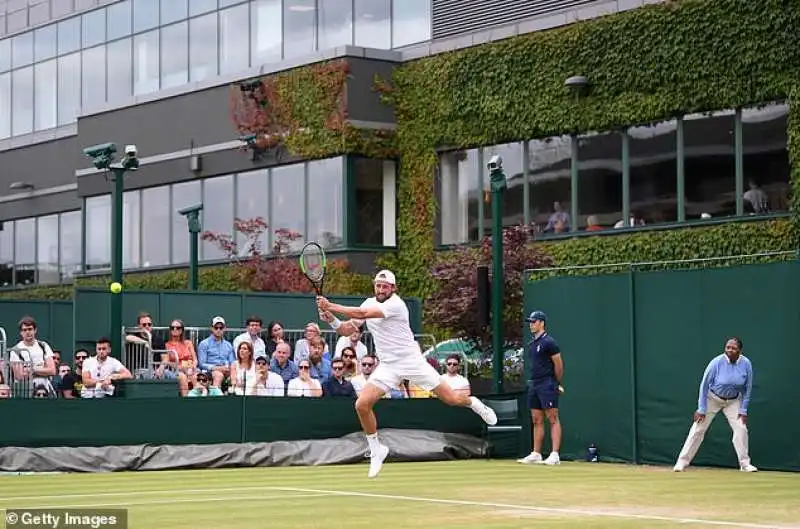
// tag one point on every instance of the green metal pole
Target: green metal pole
(116, 259)
(193, 258)
(498, 184)
(738, 148)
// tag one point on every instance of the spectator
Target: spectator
(56, 357)
(368, 364)
(253, 336)
(141, 344)
(301, 348)
(180, 359)
(336, 385)
(354, 342)
(452, 375)
(100, 372)
(32, 359)
(5, 391)
(72, 383)
(274, 337)
(215, 353)
(304, 385)
(41, 392)
(282, 365)
(268, 384)
(243, 370)
(350, 362)
(202, 388)
(320, 366)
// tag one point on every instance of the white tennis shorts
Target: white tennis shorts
(415, 369)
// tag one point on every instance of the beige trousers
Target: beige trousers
(698, 431)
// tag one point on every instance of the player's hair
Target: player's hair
(738, 341)
(254, 319)
(103, 339)
(27, 321)
(454, 356)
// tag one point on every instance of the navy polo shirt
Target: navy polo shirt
(540, 353)
(333, 388)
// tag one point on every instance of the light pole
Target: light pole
(192, 214)
(497, 179)
(103, 158)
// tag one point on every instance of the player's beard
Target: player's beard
(382, 297)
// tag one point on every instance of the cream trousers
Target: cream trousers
(698, 431)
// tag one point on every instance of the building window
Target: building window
(765, 159)
(335, 23)
(203, 51)
(131, 229)
(45, 95)
(514, 197)
(252, 201)
(325, 202)
(118, 20)
(709, 165)
(5, 105)
(69, 88)
(47, 251)
(98, 233)
(22, 101)
(7, 254)
(175, 55)
(217, 213)
(460, 193)
(145, 63)
(155, 242)
(653, 173)
(25, 252)
(411, 22)
(234, 39)
(69, 240)
(299, 27)
(120, 70)
(373, 202)
(93, 89)
(266, 31)
(599, 183)
(287, 206)
(373, 24)
(183, 195)
(549, 183)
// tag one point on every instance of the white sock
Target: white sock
(475, 404)
(554, 454)
(372, 439)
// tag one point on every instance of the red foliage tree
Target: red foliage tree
(453, 305)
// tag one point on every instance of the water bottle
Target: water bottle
(591, 454)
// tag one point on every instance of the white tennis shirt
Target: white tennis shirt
(394, 340)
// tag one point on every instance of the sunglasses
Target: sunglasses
(303, 368)
(40, 395)
(218, 327)
(146, 325)
(348, 356)
(337, 368)
(367, 364)
(81, 357)
(179, 328)
(452, 363)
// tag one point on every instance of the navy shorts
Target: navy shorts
(542, 394)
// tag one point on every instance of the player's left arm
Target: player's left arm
(558, 362)
(359, 313)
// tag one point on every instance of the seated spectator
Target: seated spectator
(453, 375)
(350, 362)
(40, 391)
(320, 366)
(353, 342)
(100, 371)
(336, 385)
(5, 391)
(142, 347)
(304, 385)
(302, 349)
(253, 336)
(243, 370)
(368, 365)
(268, 384)
(72, 383)
(282, 365)
(32, 359)
(180, 359)
(202, 389)
(274, 337)
(215, 353)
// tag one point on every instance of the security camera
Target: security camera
(130, 161)
(102, 155)
(495, 163)
(190, 209)
(130, 151)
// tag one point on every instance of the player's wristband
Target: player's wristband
(335, 324)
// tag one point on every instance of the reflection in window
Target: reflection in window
(5, 55)
(265, 31)
(22, 101)
(69, 88)
(45, 43)
(118, 21)
(599, 181)
(203, 47)
(174, 56)
(120, 70)
(22, 50)
(411, 22)
(5, 105)
(373, 26)
(131, 229)
(46, 99)
(299, 27)
(198, 7)
(156, 216)
(94, 28)
(375, 189)
(653, 170)
(514, 197)
(70, 242)
(335, 23)
(69, 35)
(709, 165)
(287, 209)
(25, 252)
(252, 200)
(47, 254)
(766, 159)
(145, 63)
(98, 233)
(7, 254)
(145, 15)
(172, 11)
(549, 182)
(183, 195)
(94, 77)
(459, 195)
(325, 218)
(217, 213)
(234, 38)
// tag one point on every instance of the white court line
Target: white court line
(132, 493)
(572, 512)
(160, 502)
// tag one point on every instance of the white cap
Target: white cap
(385, 276)
(218, 319)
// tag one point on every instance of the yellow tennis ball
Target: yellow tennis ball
(116, 288)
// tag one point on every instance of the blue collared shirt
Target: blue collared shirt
(287, 372)
(211, 353)
(728, 381)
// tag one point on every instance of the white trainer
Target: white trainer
(552, 459)
(678, 468)
(530, 459)
(749, 468)
(376, 459)
(485, 412)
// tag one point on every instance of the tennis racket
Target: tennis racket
(314, 264)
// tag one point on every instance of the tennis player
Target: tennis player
(386, 316)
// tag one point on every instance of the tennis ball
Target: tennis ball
(116, 288)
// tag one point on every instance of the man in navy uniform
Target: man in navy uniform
(544, 387)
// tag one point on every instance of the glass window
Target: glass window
(47, 255)
(145, 15)
(120, 70)
(145, 63)
(709, 165)
(372, 207)
(217, 212)
(373, 24)
(183, 195)
(599, 181)
(203, 47)
(45, 43)
(198, 7)
(335, 23)
(25, 252)
(459, 182)
(69, 35)
(69, 88)
(265, 31)
(94, 77)
(5, 105)
(326, 202)
(7, 254)
(5, 55)
(22, 50)
(653, 170)
(94, 28)
(234, 38)
(226, 3)
(22, 101)
(70, 238)
(514, 197)
(155, 243)
(46, 98)
(252, 200)
(549, 182)
(299, 27)
(119, 20)
(411, 22)
(173, 11)
(287, 208)
(766, 159)
(175, 55)
(131, 229)
(98, 232)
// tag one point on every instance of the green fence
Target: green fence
(53, 319)
(635, 345)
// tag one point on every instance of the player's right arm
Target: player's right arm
(346, 328)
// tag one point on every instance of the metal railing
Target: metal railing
(17, 377)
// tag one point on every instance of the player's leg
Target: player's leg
(696, 435)
(380, 382)
(555, 435)
(741, 442)
(422, 374)
(537, 429)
